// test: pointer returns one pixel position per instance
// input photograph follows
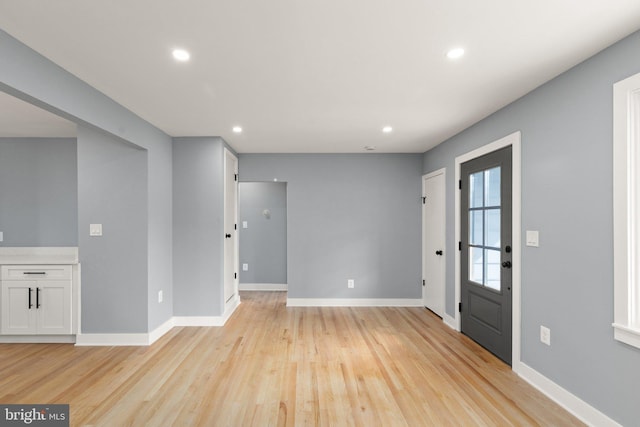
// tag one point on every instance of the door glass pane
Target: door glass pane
(492, 269)
(476, 186)
(492, 228)
(492, 187)
(476, 264)
(475, 227)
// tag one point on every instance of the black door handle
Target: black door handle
(438, 252)
(37, 297)
(506, 264)
(228, 236)
(30, 303)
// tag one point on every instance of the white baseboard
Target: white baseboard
(33, 339)
(262, 287)
(354, 302)
(450, 321)
(112, 339)
(156, 334)
(578, 407)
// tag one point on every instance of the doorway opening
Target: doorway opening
(263, 236)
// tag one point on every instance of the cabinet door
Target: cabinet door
(54, 307)
(18, 317)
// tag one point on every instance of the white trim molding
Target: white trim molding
(573, 404)
(145, 339)
(263, 287)
(626, 210)
(354, 302)
(135, 339)
(159, 332)
(512, 140)
(450, 322)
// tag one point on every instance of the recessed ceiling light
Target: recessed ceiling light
(181, 55)
(237, 129)
(387, 129)
(456, 53)
(370, 147)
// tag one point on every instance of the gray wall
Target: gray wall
(263, 244)
(567, 283)
(350, 216)
(198, 224)
(112, 179)
(31, 77)
(38, 192)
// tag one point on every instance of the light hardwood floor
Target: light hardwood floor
(272, 365)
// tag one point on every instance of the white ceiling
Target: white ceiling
(318, 75)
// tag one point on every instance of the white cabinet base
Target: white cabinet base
(36, 300)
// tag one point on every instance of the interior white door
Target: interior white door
(230, 226)
(433, 240)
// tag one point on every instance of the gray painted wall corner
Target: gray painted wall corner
(198, 215)
(112, 191)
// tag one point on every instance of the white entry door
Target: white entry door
(433, 240)
(230, 226)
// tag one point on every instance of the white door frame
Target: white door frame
(514, 141)
(443, 172)
(236, 255)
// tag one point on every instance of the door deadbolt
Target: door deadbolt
(439, 253)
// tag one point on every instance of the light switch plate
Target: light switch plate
(245, 224)
(1, 236)
(95, 230)
(245, 267)
(532, 238)
(545, 335)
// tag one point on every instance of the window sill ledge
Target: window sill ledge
(627, 335)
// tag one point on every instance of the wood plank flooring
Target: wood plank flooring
(276, 366)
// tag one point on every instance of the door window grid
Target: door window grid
(484, 228)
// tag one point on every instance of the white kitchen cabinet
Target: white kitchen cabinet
(36, 299)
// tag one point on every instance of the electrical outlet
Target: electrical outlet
(245, 267)
(95, 230)
(545, 335)
(160, 296)
(351, 283)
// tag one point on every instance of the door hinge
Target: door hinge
(459, 307)
(235, 275)
(424, 200)
(459, 246)
(459, 184)
(235, 177)
(423, 282)
(235, 226)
